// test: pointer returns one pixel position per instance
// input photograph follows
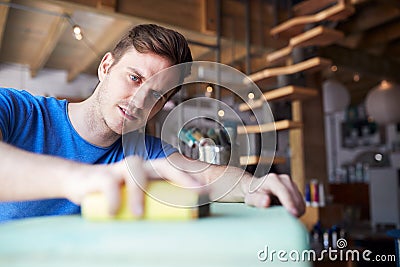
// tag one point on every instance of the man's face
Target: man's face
(123, 95)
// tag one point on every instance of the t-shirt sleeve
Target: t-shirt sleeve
(146, 146)
(160, 149)
(15, 109)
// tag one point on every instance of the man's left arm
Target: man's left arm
(232, 184)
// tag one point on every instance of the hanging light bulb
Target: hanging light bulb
(382, 103)
(77, 32)
(335, 95)
(77, 29)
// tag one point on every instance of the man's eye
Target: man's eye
(134, 78)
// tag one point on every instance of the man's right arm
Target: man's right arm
(28, 176)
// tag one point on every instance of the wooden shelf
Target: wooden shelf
(311, 6)
(253, 160)
(279, 55)
(296, 25)
(316, 36)
(319, 36)
(287, 93)
(268, 127)
(310, 65)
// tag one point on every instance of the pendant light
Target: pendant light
(382, 103)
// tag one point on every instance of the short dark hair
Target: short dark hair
(151, 38)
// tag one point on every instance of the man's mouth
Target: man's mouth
(126, 114)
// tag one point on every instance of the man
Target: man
(54, 152)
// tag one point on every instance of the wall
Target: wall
(48, 82)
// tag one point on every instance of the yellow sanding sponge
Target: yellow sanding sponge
(95, 206)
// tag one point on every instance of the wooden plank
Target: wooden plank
(287, 93)
(296, 25)
(279, 55)
(231, 236)
(268, 127)
(114, 33)
(296, 142)
(56, 29)
(318, 36)
(314, 146)
(311, 6)
(253, 160)
(3, 19)
(309, 66)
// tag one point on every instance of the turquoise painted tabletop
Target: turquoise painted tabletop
(234, 235)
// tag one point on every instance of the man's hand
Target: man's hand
(109, 179)
(260, 192)
(232, 184)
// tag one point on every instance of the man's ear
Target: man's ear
(104, 66)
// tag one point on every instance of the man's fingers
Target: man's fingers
(257, 199)
(112, 193)
(296, 196)
(135, 198)
(135, 188)
(286, 191)
(163, 169)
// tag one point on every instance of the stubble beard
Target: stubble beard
(97, 120)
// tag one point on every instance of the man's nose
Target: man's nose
(139, 101)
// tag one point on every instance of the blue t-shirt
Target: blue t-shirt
(41, 125)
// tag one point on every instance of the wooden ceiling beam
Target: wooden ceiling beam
(111, 5)
(58, 25)
(183, 13)
(190, 34)
(3, 19)
(108, 5)
(233, 21)
(105, 42)
(378, 66)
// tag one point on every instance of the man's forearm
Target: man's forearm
(26, 176)
(228, 183)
